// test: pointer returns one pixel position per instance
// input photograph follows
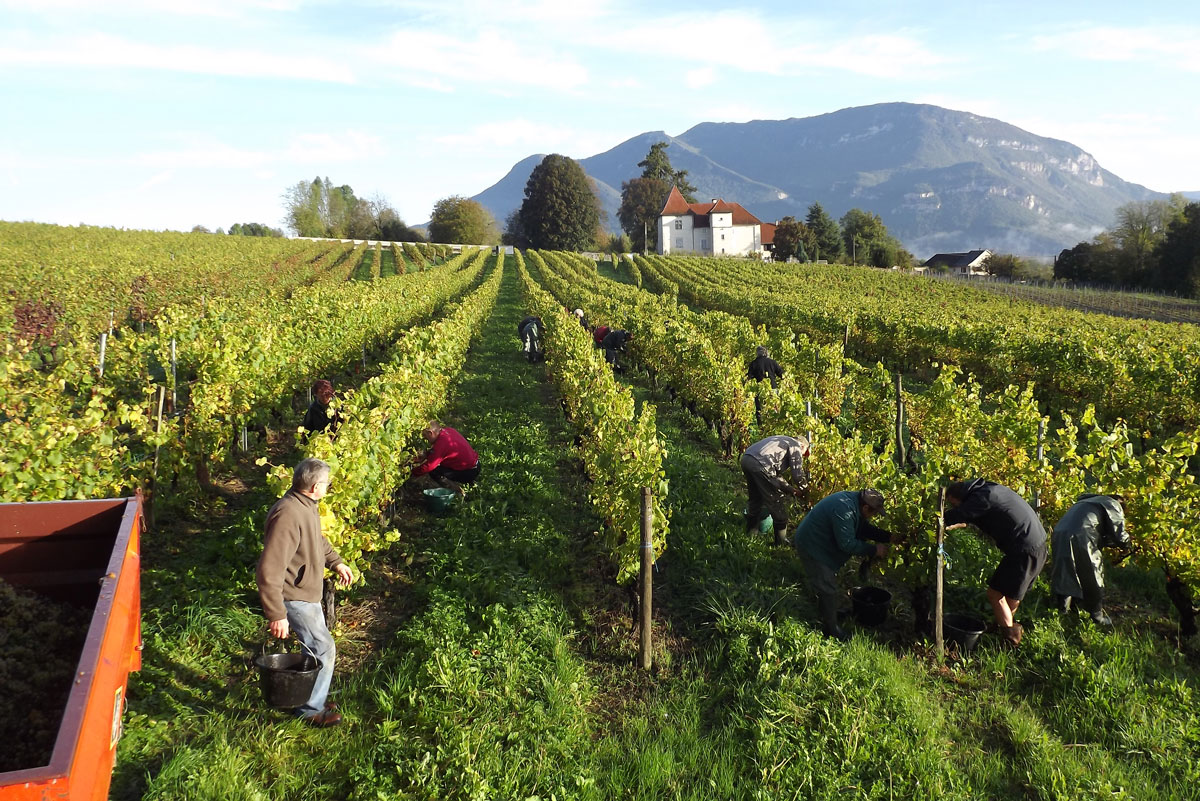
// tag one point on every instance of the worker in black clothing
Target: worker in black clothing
(1014, 526)
(614, 342)
(762, 368)
(318, 417)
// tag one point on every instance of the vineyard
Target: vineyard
(490, 653)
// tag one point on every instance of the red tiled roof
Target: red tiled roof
(743, 217)
(675, 204)
(768, 233)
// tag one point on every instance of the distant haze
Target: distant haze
(941, 180)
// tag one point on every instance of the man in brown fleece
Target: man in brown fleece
(290, 574)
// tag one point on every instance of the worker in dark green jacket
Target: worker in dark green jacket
(836, 529)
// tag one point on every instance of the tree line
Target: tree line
(1153, 244)
(320, 209)
(242, 229)
(317, 208)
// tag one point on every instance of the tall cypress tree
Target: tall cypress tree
(827, 234)
(560, 210)
(657, 165)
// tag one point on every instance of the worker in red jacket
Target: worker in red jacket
(450, 461)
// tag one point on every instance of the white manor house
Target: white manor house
(715, 228)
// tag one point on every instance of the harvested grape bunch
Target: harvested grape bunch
(40, 644)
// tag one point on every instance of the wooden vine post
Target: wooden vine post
(900, 456)
(808, 413)
(1041, 457)
(645, 652)
(162, 398)
(939, 642)
(103, 348)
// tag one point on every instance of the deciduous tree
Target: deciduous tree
(1179, 254)
(1097, 261)
(792, 238)
(560, 210)
(861, 232)
(1003, 265)
(641, 201)
(460, 220)
(253, 229)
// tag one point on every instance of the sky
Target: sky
(157, 115)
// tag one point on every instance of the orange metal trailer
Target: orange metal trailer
(85, 553)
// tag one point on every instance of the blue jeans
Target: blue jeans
(308, 621)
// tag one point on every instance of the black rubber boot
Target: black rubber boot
(1098, 615)
(827, 604)
(781, 538)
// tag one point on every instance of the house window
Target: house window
(704, 244)
(679, 241)
(722, 239)
(679, 225)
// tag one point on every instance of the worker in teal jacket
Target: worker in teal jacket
(836, 529)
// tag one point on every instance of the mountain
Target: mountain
(941, 180)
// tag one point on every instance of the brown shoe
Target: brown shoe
(331, 706)
(1013, 634)
(324, 720)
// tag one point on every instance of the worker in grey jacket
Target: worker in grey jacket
(764, 463)
(1077, 571)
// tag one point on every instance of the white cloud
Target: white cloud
(204, 155)
(418, 57)
(307, 149)
(747, 42)
(324, 147)
(527, 137)
(140, 8)
(156, 179)
(104, 50)
(1175, 47)
(699, 78)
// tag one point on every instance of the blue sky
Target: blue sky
(150, 114)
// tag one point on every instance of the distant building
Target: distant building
(767, 235)
(715, 228)
(969, 263)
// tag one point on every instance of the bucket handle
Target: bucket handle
(267, 639)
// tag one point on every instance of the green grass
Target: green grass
(387, 262)
(489, 656)
(362, 272)
(1077, 712)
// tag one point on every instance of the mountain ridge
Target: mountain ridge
(941, 180)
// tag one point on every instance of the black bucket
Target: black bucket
(870, 605)
(963, 630)
(287, 680)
